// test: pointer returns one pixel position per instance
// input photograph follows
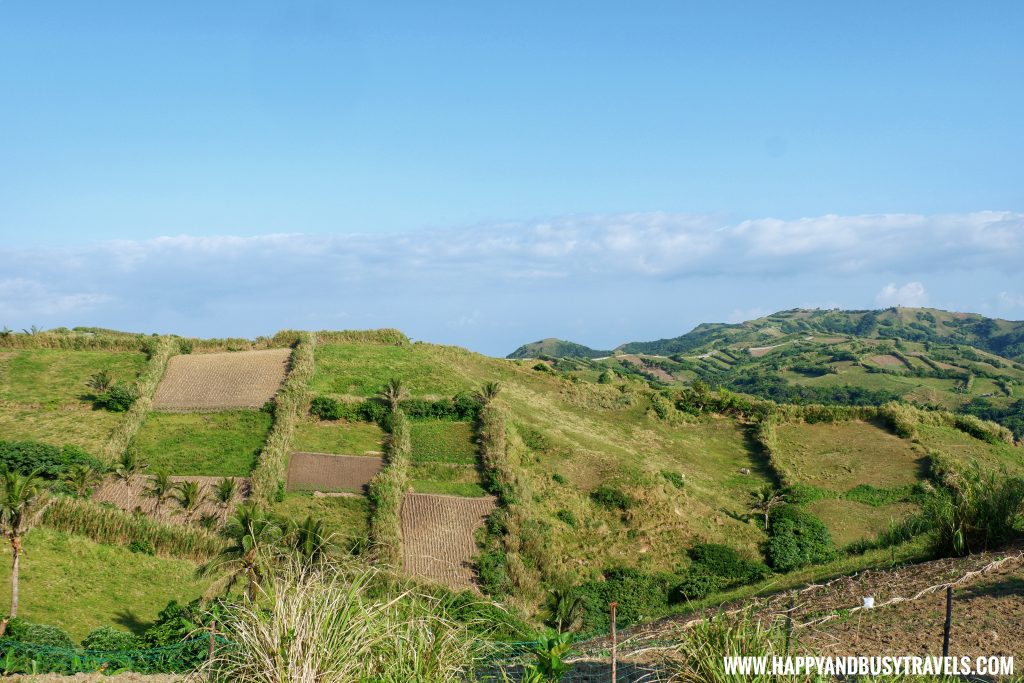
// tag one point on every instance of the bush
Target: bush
(697, 583)
(567, 517)
(118, 399)
(38, 634)
(54, 462)
(612, 498)
(639, 596)
(796, 539)
(674, 478)
(723, 561)
(143, 547)
(325, 408)
(109, 639)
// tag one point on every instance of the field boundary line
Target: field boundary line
(145, 387)
(290, 404)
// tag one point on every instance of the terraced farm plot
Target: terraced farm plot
(840, 456)
(133, 497)
(83, 427)
(217, 381)
(343, 438)
(346, 517)
(224, 444)
(446, 478)
(363, 369)
(438, 536)
(51, 377)
(327, 472)
(850, 521)
(443, 441)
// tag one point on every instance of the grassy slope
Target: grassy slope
(346, 517)
(74, 583)
(343, 438)
(215, 444)
(43, 395)
(52, 378)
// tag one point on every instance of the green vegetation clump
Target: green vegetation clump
(723, 561)
(975, 511)
(612, 498)
(796, 538)
(25, 631)
(51, 462)
(110, 639)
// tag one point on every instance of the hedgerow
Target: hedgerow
(290, 405)
(386, 491)
(52, 462)
(159, 350)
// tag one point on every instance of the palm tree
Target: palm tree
(189, 497)
(159, 489)
(83, 479)
(766, 499)
(563, 609)
(99, 382)
(488, 392)
(251, 534)
(308, 539)
(223, 495)
(394, 392)
(128, 465)
(23, 499)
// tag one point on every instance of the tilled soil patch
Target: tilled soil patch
(214, 381)
(133, 498)
(438, 536)
(327, 472)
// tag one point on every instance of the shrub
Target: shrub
(606, 377)
(54, 462)
(117, 399)
(143, 547)
(612, 498)
(796, 539)
(639, 595)
(109, 639)
(38, 634)
(567, 516)
(325, 408)
(723, 561)
(559, 479)
(698, 582)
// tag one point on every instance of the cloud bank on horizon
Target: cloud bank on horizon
(601, 279)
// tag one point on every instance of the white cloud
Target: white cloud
(1008, 300)
(911, 294)
(22, 296)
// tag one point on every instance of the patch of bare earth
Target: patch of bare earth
(908, 617)
(758, 351)
(886, 360)
(438, 536)
(215, 381)
(327, 472)
(133, 497)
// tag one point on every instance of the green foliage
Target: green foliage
(567, 517)
(549, 654)
(976, 511)
(51, 462)
(696, 583)
(117, 399)
(25, 631)
(223, 444)
(639, 595)
(142, 546)
(724, 562)
(492, 572)
(612, 498)
(796, 539)
(109, 639)
(674, 478)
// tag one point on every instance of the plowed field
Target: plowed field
(326, 472)
(437, 535)
(133, 498)
(214, 381)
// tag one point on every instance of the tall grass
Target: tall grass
(145, 387)
(975, 510)
(290, 405)
(383, 336)
(386, 491)
(80, 339)
(767, 437)
(112, 526)
(342, 623)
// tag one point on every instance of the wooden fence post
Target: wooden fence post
(789, 621)
(949, 621)
(213, 640)
(615, 676)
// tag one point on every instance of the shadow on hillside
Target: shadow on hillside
(131, 621)
(759, 459)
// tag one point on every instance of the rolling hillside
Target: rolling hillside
(556, 348)
(581, 474)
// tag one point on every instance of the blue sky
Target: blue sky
(491, 173)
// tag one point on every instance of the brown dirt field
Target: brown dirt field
(885, 360)
(327, 472)
(438, 536)
(988, 611)
(211, 381)
(758, 351)
(133, 498)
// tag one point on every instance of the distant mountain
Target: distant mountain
(556, 348)
(1002, 337)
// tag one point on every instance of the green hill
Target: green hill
(610, 476)
(556, 348)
